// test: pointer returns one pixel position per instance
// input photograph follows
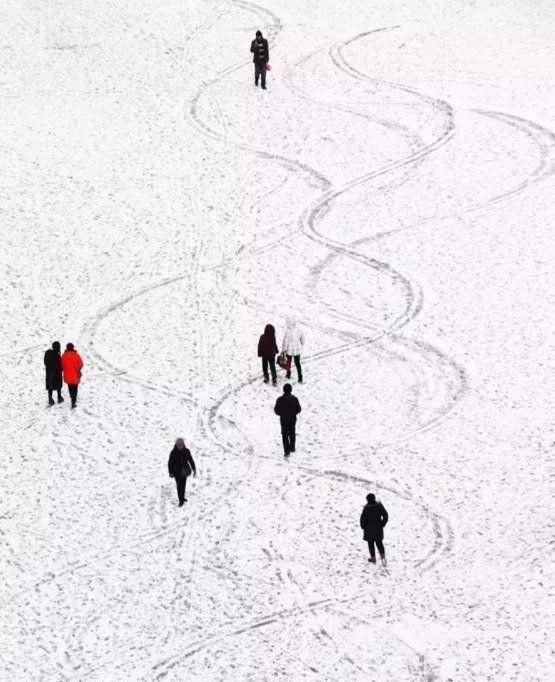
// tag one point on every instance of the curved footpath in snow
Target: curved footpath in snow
(393, 190)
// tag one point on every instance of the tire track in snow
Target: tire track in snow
(260, 624)
(113, 307)
(543, 138)
(215, 407)
(411, 299)
(164, 283)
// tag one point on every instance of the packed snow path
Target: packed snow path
(393, 190)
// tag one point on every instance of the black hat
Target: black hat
(370, 498)
(287, 388)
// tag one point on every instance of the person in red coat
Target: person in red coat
(267, 350)
(71, 367)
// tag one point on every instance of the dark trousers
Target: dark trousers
(272, 362)
(72, 388)
(181, 483)
(288, 435)
(51, 391)
(297, 359)
(379, 545)
(260, 71)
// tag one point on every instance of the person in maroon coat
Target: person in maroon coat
(267, 350)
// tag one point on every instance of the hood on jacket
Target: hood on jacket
(290, 322)
(269, 330)
(56, 347)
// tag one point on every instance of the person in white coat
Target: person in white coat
(292, 346)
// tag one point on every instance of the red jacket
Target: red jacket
(71, 366)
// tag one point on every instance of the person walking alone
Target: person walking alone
(53, 368)
(292, 346)
(261, 57)
(72, 364)
(372, 520)
(267, 350)
(287, 408)
(180, 465)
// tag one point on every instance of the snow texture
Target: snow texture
(393, 190)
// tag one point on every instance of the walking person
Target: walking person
(53, 368)
(267, 350)
(287, 408)
(292, 346)
(72, 364)
(261, 57)
(180, 465)
(372, 520)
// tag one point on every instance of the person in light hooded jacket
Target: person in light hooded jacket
(292, 346)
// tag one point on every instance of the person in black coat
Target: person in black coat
(287, 407)
(267, 349)
(372, 520)
(180, 465)
(53, 367)
(260, 57)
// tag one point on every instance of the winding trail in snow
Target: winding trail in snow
(309, 225)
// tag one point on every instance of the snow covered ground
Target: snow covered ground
(393, 189)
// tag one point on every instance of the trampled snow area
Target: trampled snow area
(392, 189)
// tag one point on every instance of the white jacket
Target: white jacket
(293, 339)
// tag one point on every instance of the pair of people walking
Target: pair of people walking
(180, 466)
(60, 368)
(292, 346)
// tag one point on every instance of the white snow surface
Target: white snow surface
(393, 190)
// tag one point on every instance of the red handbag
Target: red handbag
(284, 362)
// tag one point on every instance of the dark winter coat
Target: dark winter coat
(259, 49)
(181, 463)
(287, 407)
(267, 346)
(372, 520)
(53, 367)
